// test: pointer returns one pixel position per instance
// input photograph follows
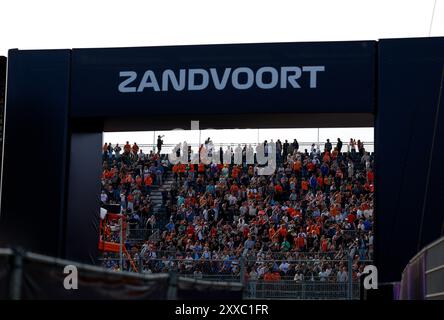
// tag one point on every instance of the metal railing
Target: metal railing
(168, 147)
(252, 255)
(305, 290)
(139, 234)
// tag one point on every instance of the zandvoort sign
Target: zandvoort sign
(241, 78)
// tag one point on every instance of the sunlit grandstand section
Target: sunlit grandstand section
(305, 231)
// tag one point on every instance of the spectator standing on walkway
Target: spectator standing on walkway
(159, 144)
(328, 146)
(135, 148)
(295, 145)
(117, 150)
(285, 150)
(352, 145)
(360, 147)
(127, 148)
(339, 145)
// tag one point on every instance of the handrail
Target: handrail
(225, 144)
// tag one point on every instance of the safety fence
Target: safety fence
(135, 234)
(25, 275)
(289, 288)
(304, 290)
(30, 276)
(318, 278)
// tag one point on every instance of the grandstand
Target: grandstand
(306, 231)
(303, 231)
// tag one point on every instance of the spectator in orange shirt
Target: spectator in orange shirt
(268, 276)
(300, 241)
(271, 232)
(297, 166)
(326, 157)
(278, 192)
(181, 170)
(128, 179)
(135, 148)
(324, 244)
(175, 170)
(351, 218)
(292, 212)
(310, 167)
(148, 182)
(105, 174)
(370, 176)
(130, 200)
(304, 186)
(127, 148)
(282, 231)
(234, 189)
(276, 276)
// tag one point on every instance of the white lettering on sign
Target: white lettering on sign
(242, 78)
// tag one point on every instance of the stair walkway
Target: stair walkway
(156, 199)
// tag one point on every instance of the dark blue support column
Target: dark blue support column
(410, 73)
(82, 227)
(35, 150)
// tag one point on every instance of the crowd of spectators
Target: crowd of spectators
(304, 221)
(127, 180)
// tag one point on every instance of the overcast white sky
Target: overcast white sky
(48, 24)
(87, 23)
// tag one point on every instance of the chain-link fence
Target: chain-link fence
(138, 235)
(305, 290)
(320, 277)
